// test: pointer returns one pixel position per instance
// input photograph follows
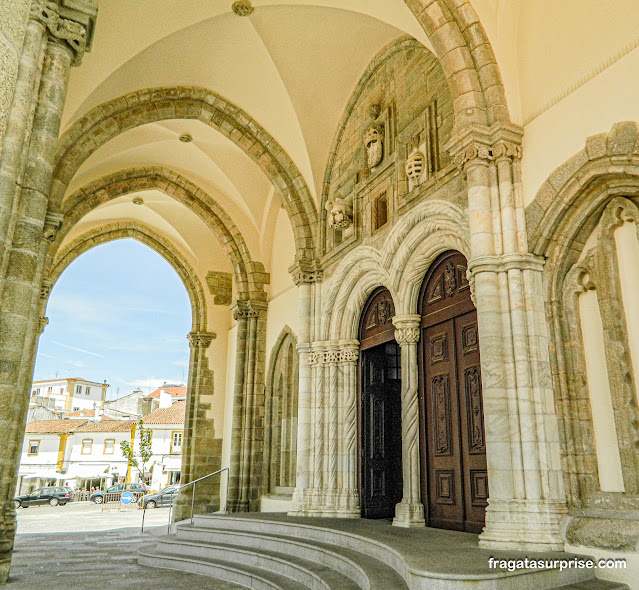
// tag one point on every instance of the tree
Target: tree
(141, 458)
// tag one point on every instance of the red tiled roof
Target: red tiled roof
(174, 391)
(173, 415)
(52, 426)
(106, 426)
(80, 413)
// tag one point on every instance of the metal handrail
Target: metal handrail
(192, 483)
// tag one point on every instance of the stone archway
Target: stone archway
(106, 121)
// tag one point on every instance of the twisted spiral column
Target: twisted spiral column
(410, 511)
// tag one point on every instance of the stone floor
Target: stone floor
(94, 560)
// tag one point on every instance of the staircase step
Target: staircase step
(595, 585)
(251, 577)
(362, 570)
(311, 574)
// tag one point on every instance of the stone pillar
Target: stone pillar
(307, 279)
(201, 451)
(247, 437)
(57, 36)
(410, 511)
(348, 492)
(527, 498)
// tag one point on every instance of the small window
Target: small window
(78, 388)
(176, 442)
(76, 408)
(62, 391)
(49, 389)
(87, 444)
(380, 211)
(109, 446)
(34, 392)
(87, 390)
(34, 447)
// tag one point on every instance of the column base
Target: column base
(409, 514)
(299, 503)
(530, 525)
(348, 504)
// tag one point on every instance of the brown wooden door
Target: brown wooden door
(454, 475)
(380, 409)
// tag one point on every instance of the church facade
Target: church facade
(411, 271)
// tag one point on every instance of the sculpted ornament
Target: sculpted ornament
(415, 166)
(374, 142)
(340, 213)
(75, 34)
(407, 335)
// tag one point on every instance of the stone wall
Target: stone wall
(400, 108)
(13, 23)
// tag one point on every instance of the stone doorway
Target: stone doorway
(453, 448)
(380, 409)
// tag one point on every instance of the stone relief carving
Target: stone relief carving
(374, 142)
(340, 213)
(415, 166)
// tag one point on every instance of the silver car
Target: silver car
(164, 497)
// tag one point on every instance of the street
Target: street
(80, 546)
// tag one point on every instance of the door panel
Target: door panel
(454, 474)
(381, 431)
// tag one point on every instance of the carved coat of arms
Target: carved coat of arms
(374, 142)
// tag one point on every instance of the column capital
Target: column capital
(505, 263)
(248, 309)
(477, 145)
(407, 328)
(43, 322)
(69, 21)
(306, 273)
(52, 225)
(201, 339)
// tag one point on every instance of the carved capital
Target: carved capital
(348, 351)
(45, 288)
(43, 322)
(407, 328)
(52, 224)
(201, 339)
(306, 273)
(482, 145)
(69, 21)
(248, 309)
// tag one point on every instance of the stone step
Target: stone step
(309, 573)
(363, 571)
(595, 585)
(426, 558)
(230, 571)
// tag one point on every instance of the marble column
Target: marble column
(526, 493)
(348, 492)
(307, 278)
(201, 451)
(410, 511)
(57, 35)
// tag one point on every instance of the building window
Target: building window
(34, 447)
(34, 393)
(78, 388)
(49, 389)
(109, 446)
(62, 391)
(76, 408)
(87, 444)
(87, 390)
(176, 442)
(380, 211)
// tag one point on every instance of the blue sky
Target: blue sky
(120, 313)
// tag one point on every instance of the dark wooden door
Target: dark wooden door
(380, 419)
(454, 475)
(381, 431)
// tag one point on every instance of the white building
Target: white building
(83, 453)
(69, 394)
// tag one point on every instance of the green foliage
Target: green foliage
(142, 457)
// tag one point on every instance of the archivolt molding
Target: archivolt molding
(400, 265)
(108, 120)
(467, 59)
(145, 235)
(182, 190)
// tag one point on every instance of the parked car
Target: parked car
(119, 489)
(164, 497)
(53, 496)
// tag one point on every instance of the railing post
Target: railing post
(193, 500)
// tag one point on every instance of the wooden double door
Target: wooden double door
(453, 449)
